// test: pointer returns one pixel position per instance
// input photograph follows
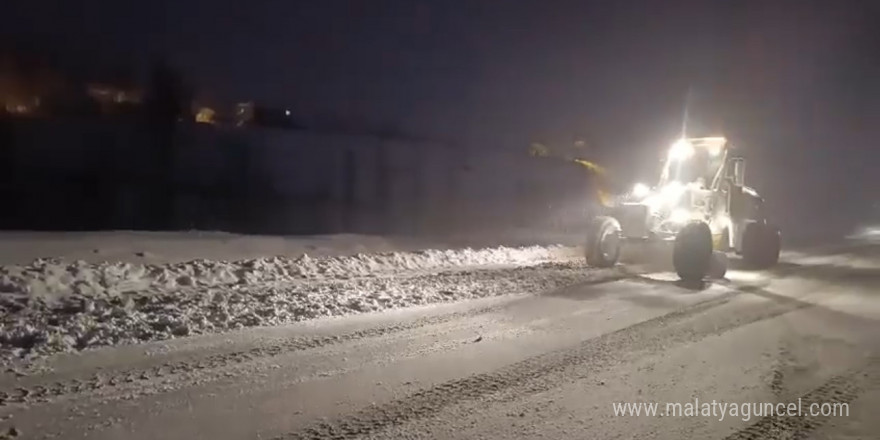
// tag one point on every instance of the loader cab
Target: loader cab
(695, 160)
(733, 187)
(745, 207)
(735, 170)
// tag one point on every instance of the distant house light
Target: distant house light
(206, 115)
(19, 109)
(109, 94)
(244, 113)
(287, 112)
(21, 106)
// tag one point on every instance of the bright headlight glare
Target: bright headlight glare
(654, 202)
(680, 216)
(641, 190)
(723, 221)
(672, 192)
(681, 149)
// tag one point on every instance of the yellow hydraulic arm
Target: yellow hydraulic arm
(599, 172)
(601, 183)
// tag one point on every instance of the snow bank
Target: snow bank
(51, 306)
(19, 247)
(54, 279)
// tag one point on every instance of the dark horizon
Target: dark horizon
(523, 70)
(792, 82)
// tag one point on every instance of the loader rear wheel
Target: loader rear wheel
(718, 265)
(692, 254)
(761, 245)
(603, 242)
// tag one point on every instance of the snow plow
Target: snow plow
(700, 206)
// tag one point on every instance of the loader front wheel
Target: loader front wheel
(692, 254)
(603, 242)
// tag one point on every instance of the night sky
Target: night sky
(795, 82)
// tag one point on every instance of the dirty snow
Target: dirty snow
(835, 259)
(53, 279)
(148, 247)
(53, 306)
(22, 247)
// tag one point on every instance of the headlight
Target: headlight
(680, 216)
(681, 149)
(667, 196)
(672, 192)
(723, 222)
(641, 190)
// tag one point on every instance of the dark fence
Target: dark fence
(100, 175)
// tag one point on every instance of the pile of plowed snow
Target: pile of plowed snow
(51, 306)
(54, 279)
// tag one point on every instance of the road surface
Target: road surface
(548, 365)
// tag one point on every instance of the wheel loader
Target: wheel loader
(700, 206)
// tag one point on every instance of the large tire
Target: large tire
(603, 242)
(692, 254)
(761, 245)
(718, 265)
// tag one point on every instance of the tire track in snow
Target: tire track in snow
(532, 374)
(843, 388)
(45, 393)
(546, 371)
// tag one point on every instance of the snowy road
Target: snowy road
(548, 363)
